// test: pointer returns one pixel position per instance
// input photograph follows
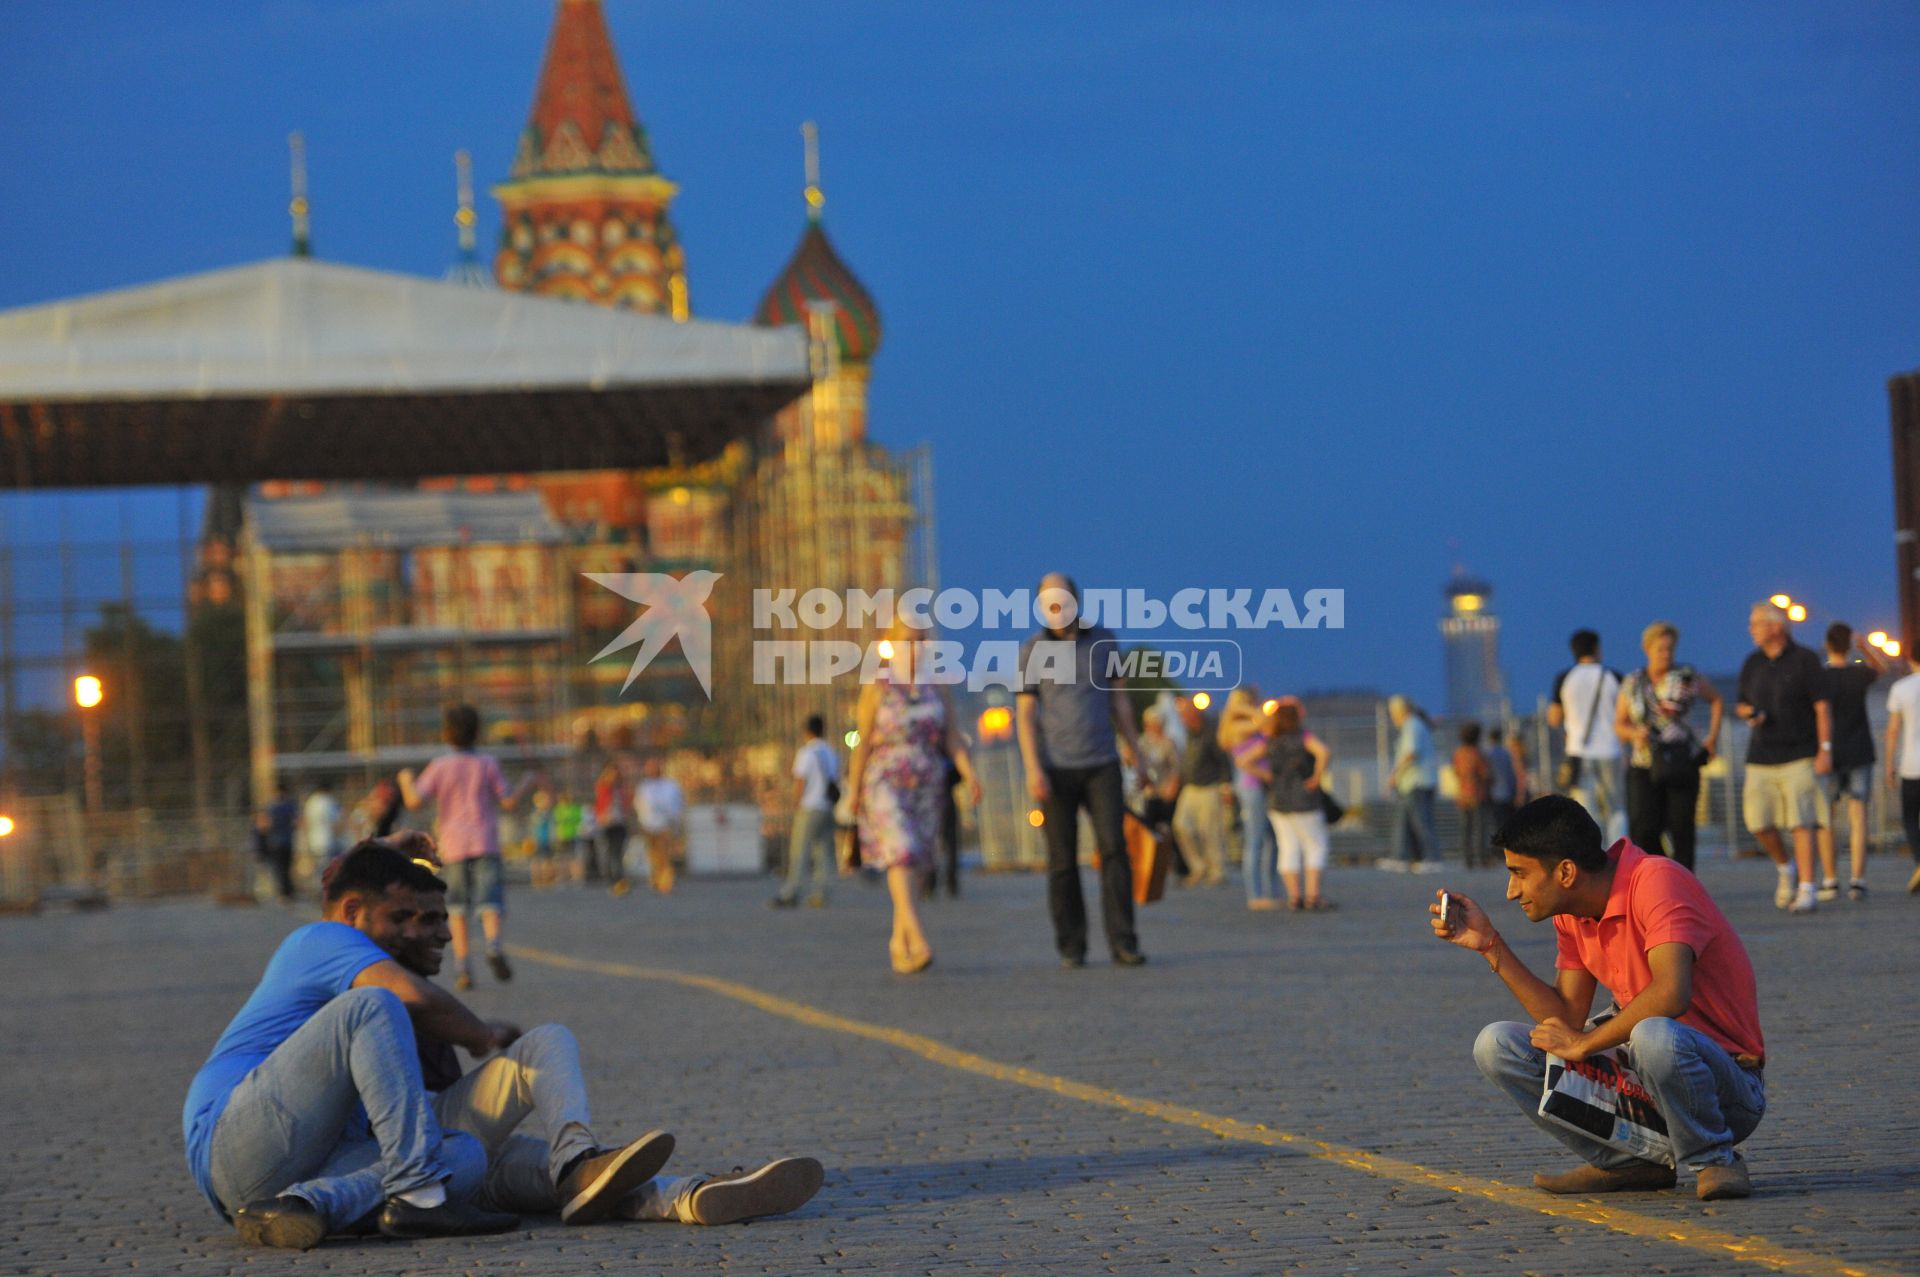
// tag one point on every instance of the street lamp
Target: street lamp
(88, 692)
(1781, 600)
(6, 826)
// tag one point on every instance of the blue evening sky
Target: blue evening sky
(1599, 300)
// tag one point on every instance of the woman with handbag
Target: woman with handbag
(898, 779)
(1663, 770)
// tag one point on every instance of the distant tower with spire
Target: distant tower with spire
(584, 210)
(466, 263)
(817, 291)
(1476, 689)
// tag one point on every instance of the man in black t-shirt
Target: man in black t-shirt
(1783, 698)
(1853, 756)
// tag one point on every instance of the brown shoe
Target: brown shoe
(1718, 1183)
(593, 1186)
(1643, 1177)
(774, 1189)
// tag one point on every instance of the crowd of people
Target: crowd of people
(334, 1102)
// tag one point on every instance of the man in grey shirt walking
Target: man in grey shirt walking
(1074, 730)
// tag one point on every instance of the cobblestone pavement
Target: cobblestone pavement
(1351, 1028)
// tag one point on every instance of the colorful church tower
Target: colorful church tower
(584, 210)
(819, 293)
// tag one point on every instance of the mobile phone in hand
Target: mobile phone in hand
(1446, 913)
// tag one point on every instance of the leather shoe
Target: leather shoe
(1646, 1177)
(1129, 958)
(449, 1219)
(593, 1186)
(1717, 1183)
(290, 1223)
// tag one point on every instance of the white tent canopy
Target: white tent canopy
(286, 360)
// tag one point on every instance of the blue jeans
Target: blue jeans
(1710, 1102)
(1413, 819)
(812, 839)
(1259, 854)
(337, 1116)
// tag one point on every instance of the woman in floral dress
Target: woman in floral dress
(899, 770)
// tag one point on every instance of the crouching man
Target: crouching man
(310, 1115)
(1644, 927)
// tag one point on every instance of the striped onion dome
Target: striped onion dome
(815, 275)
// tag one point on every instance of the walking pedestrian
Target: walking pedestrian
(1582, 695)
(1783, 697)
(908, 734)
(1075, 733)
(816, 789)
(1504, 788)
(1852, 777)
(469, 791)
(1663, 768)
(1204, 808)
(660, 806)
(1903, 763)
(320, 825)
(1473, 781)
(1159, 770)
(612, 808)
(282, 815)
(1411, 783)
(1297, 764)
(1243, 734)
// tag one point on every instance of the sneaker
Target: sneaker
(594, 1184)
(782, 902)
(1428, 867)
(1805, 901)
(1856, 890)
(1717, 1183)
(817, 900)
(774, 1189)
(497, 963)
(1783, 892)
(1829, 891)
(1389, 865)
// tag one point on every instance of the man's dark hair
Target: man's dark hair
(463, 726)
(1839, 637)
(1584, 643)
(816, 725)
(1552, 829)
(370, 867)
(1469, 733)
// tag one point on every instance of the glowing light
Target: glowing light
(996, 723)
(1892, 648)
(1267, 707)
(1878, 638)
(886, 649)
(87, 691)
(1468, 602)
(852, 739)
(6, 826)
(1201, 700)
(1781, 600)
(681, 496)
(1796, 613)
(1036, 818)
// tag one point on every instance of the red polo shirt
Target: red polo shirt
(1657, 901)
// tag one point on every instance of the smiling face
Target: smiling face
(1539, 889)
(386, 918)
(422, 944)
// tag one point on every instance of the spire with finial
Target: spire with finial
(302, 226)
(817, 283)
(466, 267)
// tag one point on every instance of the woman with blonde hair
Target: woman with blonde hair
(1243, 734)
(908, 732)
(1663, 770)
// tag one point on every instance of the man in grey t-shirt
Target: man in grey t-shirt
(1073, 735)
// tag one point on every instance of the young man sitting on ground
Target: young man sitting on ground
(1688, 1009)
(310, 1116)
(539, 1075)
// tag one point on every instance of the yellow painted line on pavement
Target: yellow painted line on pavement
(1749, 1249)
